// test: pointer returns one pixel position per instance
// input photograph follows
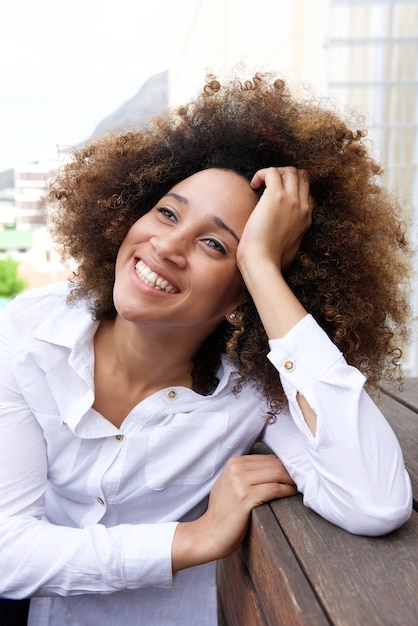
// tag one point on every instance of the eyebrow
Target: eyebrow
(178, 197)
(221, 224)
(216, 220)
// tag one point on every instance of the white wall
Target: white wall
(286, 36)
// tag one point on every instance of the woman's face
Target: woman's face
(177, 264)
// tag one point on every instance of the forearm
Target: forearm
(41, 559)
(194, 544)
(269, 244)
(351, 471)
(279, 311)
(277, 306)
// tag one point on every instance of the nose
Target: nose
(170, 247)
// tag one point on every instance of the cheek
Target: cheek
(132, 237)
(232, 288)
(120, 255)
(137, 230)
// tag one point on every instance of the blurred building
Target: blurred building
(361, 53)
(24, 237)
(31, 182)
(372, 64)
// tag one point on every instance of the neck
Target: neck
(130, 367)
(144, 355)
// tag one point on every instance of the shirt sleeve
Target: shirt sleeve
(39, 558)
(351, 471)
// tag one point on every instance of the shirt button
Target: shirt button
(119, 437)
(172, 395)
(289, 365)
(100, 501)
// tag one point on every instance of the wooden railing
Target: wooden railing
(294, 568)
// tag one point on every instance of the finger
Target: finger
(288, 177)
(260, 468)
(296, 181)
(270, 491)
(289, 174)
(267, 474)
(311, 203)
(260, 177)
(304, 189)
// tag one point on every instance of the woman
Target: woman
(228, 256)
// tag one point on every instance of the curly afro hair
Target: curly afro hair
(352, 269)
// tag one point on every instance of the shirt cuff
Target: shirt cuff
(303, 355)
(147, 558)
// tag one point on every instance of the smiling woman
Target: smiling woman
(185, 243)
(225, 256)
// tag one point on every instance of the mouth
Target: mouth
(152, 279)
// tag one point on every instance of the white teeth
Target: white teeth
(152, 279)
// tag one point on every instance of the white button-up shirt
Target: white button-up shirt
(88, 511)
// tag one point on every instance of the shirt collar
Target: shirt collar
(79, 329)
(227, 372)
(73, 328)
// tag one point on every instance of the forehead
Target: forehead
(217, 188)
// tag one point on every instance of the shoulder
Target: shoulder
(34, 308)
(37, 299)
(50, 291)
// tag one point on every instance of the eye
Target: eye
(168, 213)
(215, 245)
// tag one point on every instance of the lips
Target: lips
(152, 279)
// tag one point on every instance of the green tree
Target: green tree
(10, 283)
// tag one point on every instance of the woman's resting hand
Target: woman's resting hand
(246, 482)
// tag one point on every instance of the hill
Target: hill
(151, 99)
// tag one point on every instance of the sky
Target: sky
(67, 64)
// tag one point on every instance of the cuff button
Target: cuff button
(289, 365)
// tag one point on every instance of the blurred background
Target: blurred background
(72, 69)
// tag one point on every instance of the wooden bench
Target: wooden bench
(294, 568)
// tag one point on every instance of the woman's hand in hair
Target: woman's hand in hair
(282, 216)
(270, 242)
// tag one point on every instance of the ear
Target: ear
(232, 312)
(231, 317)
